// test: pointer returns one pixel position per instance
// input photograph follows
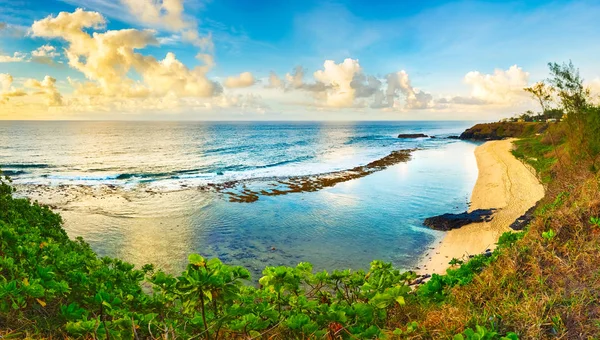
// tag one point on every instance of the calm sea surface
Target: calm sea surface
(158, 215)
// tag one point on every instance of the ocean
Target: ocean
(136, 190)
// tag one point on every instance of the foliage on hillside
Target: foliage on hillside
(53, 286)
(501, 130)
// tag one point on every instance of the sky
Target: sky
(286, 60)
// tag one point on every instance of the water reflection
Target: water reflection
(376, 217)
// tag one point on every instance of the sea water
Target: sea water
(161, 216)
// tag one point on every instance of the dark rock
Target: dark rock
(522, 221)
(412, 135)
(453, 137)
(219, 173)
(447, 222)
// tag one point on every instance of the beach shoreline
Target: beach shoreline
(503, 183)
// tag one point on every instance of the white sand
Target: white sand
(503, 183)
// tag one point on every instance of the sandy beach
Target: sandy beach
(504, 183)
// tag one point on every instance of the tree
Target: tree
(583, 118)
(543, 94)
(569, 85)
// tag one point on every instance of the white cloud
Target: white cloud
(45, 51)
(345, 85)
(337, 78)
(16, 57)
(502, 87)
(296, 79)
(168, 14)
(44, 54)
(6, 88)
(47, 88)
(245, 79)
(399, 83)
(365, 86)
(107, 58)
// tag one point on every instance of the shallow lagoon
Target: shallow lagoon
(376, 217)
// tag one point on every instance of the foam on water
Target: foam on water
(176, 155)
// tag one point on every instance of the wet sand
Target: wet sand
(504, 183)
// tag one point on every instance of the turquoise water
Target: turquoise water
(159, 216)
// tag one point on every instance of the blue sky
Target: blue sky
(437, 43)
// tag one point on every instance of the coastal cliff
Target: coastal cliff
(501, 130)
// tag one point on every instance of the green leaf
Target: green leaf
(400, 300)
(196, 260)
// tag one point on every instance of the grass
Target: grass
(539, 155)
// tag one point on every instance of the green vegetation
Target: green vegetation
(501, 130)
(53, 286)
(540, 283)
(536, 153)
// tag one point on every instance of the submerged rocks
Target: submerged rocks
(447, 222)
(243, 194)
(412, 135)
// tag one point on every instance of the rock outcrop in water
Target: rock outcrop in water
(412, 135)
(447, 222)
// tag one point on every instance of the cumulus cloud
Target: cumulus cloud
(44, 54)
(365, 86)
(502, 87)
(345, 85)
(399, 83)
(245, 79)
(398, 88)
(296, 78)
(45, 51)
(7, 90)
(107, 58)
(168, 14)
(337, 79)
(16, 57)
(47, 88)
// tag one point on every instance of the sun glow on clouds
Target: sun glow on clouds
(118, 75)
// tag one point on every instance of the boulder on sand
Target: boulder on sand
(447, 222)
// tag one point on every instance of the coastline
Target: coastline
(503, 183)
